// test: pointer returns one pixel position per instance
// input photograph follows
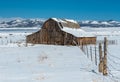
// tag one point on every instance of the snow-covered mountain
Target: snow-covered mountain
(109, 23)
(20, 22)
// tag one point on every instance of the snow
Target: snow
(9, 19)
(114, 22)
(59, 20)
(4, 25)
(70, 20)
(64, 20)
(77, 32)
(45, 63)
(52, 63)
(17, 28)
(85, 22)
(94, 22)
(17, 21)
(103, 22)
(106, 23)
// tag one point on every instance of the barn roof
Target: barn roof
(72, 27)
(67, 23)
(65, 20)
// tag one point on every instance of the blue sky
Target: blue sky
(73, 9)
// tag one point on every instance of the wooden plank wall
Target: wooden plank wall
(86, 40)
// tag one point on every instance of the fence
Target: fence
(101, 57)
(95, 54)
(109, 42)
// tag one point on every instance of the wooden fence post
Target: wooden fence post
(100, 59)
(91, 53)
(82, 46)
(95, 56)
(87, 51)
(26, 44)
(105, 57)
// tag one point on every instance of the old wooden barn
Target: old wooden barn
(60, 32)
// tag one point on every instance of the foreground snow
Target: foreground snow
(51, 63)
(45, 63)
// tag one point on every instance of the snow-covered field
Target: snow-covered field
(50, 63)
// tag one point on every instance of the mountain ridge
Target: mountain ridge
(37, 22)
(108, 23)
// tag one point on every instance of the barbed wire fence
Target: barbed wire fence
(93, 53)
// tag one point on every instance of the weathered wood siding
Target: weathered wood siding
(86, 40)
